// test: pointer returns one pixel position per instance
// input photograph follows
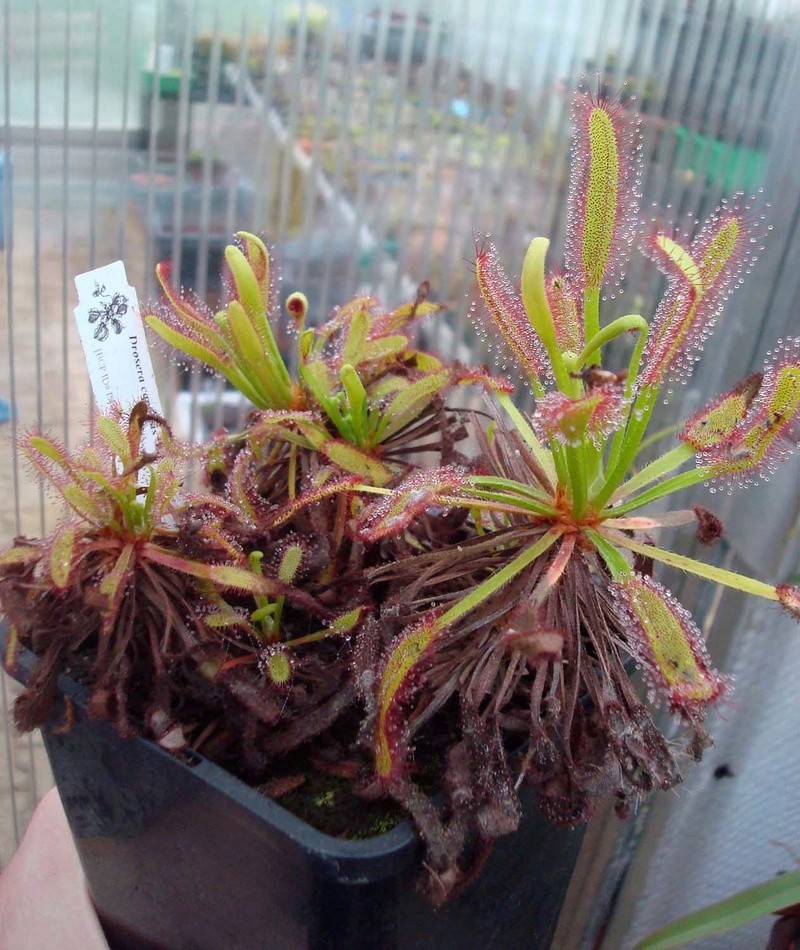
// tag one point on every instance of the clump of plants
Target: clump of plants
(364, 592)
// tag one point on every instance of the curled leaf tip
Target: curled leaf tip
(297, 307)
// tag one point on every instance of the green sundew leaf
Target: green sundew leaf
(318, 379)
(82, 503)
(720, 250)
(682, 259)
(534, 292)
(523, 427)
(615, 560)
(735, 911)
(509, 502)
(427, 362)
(192, 316)
(219, 540)
(343, 315)
(279, 667)
(630, 322)
(567, 322)
(203, 330)
(254, 362)
(263, 612)
(244, 336)
(356, 340)
(387, 386)
(240, 487)
(534, 298)
(205, 355)
(168, 485)
(62, 553)
(508, 484)
(247, 288)
(667, 643)
(601, 197)
(315, 435)
(714, 424)
(220, 575)
(258, 258)
(278, 424)
(384, 348)
(347, 622)
(357, 399)
(391, 514)
(151, 494)
(115, 438)
(225, 616)
(110, 583)
(306, 344)
(254, 560)
(49, 450)
(352, 459)
(249, 292)
(90, 459)
(412, 400)
(114, 494)
(290, 564)
(668, 487)
(774, 419)
(657, 469)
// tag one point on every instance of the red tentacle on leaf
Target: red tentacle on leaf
(508, 312)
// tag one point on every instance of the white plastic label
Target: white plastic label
(114, 343)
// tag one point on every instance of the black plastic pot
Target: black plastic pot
(181, 855)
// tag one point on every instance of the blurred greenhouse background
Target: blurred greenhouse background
(372, 143)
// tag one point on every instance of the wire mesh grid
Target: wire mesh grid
(370, 143)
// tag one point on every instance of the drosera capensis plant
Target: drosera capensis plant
(114, 573)
(555, 594)
(356, 596)
(363, 396)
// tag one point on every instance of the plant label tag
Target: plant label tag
(114, 343)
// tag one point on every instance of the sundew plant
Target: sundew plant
(356, 599)
(555, 593)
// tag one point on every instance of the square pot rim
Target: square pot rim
(397, 846)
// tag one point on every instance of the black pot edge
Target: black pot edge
(388, 852)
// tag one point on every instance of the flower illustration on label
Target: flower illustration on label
(111, 308)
